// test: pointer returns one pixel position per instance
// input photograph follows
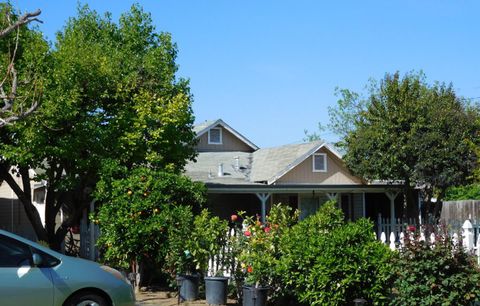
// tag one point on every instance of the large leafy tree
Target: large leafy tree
(112, 97)
(407, 131)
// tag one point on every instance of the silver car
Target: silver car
(32, 275)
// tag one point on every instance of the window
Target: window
(39, 196)
(319, 162)
(13, 253)
(215, 136)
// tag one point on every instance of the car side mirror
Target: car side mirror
(37, 259)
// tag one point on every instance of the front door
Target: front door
(20, 282)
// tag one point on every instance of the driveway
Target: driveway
(165, 298)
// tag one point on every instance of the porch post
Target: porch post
(392, 195)
(263, 198)
(363, 205)
(92, 233)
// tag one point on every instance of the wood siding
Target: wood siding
(336, 173)
(229, 143)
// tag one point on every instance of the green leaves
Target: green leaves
(408, 130)
(111, 98)
(327, 262)
(146, 215)
(438, 274)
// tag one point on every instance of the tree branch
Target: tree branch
(23, 20)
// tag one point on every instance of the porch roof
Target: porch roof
(298, 188)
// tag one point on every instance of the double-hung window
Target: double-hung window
(215, 136)
(319, 162)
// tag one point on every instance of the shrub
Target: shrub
(434, 274)
(146, 215)
(327, 262)
(259, 245)
(468, 192)
(208, 238)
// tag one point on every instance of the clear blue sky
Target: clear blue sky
(269, 68)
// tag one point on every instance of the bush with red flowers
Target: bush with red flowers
(259, 246)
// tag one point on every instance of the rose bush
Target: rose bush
(439, 273)
(258, 247)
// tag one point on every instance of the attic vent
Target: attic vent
(237, 163)
(220, 170)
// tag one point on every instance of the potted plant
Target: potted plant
(180, 257)
(187, 278)
(260, 255)
(210, 240)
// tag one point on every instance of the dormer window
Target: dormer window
(319, 162)
(215, 136)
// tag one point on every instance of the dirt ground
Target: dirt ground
(166, 298)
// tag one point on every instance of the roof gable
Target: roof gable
(271, 164)
(204, 127)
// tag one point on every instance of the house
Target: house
(240, 176)
(12, 214)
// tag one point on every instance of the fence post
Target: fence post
(383, 238)
(467, 235)
(392, 241)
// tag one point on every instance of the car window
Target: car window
(48, 261)
(13, 253)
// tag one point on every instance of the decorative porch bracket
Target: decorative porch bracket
(263, 198)
(333, 196)
(392, 195)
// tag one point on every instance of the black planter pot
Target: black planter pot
(188, 287)
(254, 296)
(216, 290)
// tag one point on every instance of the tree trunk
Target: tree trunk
(25, 197)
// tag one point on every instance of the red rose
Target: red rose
(249, 269)
(247, 233)
(267, 230)
(411, 228)
(234, 218)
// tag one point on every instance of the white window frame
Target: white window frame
(220, 133)
(324, 162)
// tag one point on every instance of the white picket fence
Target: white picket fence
(469, 232)
(223, 263)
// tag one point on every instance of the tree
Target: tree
(22, 51)
(409, 132)
(112, 98)
(144, 214)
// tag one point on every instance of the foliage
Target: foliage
(327, 262)
(438, 274)
(24, 59)
(314, 136)
(468, 192)
(260, 246)
(146, 215)
(410, 131)
(208, 237)
(111, 98)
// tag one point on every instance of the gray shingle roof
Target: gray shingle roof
(203, 127)
(262, 166)
(197, 128)
(271, 163)
(206, 167)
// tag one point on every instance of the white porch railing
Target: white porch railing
(397, 225)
